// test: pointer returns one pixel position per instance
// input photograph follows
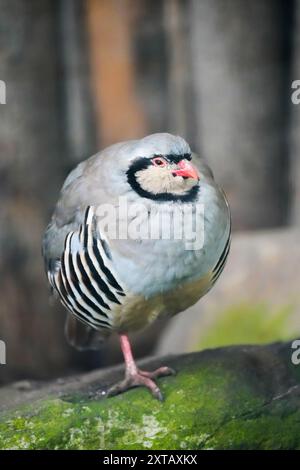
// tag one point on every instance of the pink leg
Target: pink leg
(131, 367)
(135, 377)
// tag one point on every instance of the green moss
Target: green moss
(112, 424)
(216, 402)
(248, 324)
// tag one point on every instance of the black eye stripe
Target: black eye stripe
(176, 158)
(141, 164)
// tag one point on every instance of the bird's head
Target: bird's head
(161, 169)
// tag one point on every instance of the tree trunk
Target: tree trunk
(118, 109)
(240, 56)
(32, 151)
(295, 121)
(79, 111)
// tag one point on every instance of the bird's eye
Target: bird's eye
(159, 161)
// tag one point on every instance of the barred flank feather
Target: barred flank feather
(85, 279)
(222, 260)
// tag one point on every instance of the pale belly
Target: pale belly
(137, 312)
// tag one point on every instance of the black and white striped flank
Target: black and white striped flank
(85, 278)
(222, 260)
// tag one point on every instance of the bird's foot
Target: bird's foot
(141, 378)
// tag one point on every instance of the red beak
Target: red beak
(186, 169)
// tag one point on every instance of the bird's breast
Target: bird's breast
(150, 267)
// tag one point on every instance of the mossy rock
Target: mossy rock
(240, 397)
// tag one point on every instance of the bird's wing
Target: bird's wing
(67, 217)
(84, 276)
(85, 186)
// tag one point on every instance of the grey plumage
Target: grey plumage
(153, 277)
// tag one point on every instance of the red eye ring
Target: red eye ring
(159, 161)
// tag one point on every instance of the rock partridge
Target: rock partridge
(122, 280)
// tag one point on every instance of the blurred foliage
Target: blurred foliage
(248, 324)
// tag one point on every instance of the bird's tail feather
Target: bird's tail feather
(82, 336)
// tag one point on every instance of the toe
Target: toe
(152, 386)
(118, 388)
(164, 371)
(161, 372)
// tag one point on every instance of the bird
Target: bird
(119, 284)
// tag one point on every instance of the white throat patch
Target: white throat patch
(158, 180)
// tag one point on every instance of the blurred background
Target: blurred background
(83, 74)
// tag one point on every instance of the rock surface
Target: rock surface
(239, 397)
